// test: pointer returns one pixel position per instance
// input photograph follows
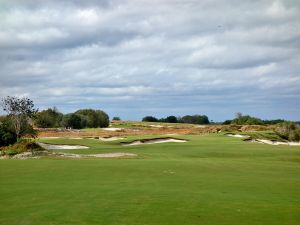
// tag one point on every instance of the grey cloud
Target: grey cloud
(161, 57)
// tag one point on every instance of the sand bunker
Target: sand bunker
(110, 138)
(72, 138)
(112, 129)
(158, 126)
(238, 135)
(153, 141)
(102, 155)
(269, 142)
(53, 147)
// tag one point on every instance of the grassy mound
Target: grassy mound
(21, 146)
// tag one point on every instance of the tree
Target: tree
(116, 118)
(19, 111)
(93, 118)
(171, 119)
(195, 119)
(238, 115)
(48, 118)
(7, 137)
(246, 120)
(149, 119)
(72, 120)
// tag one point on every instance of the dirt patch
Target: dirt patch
(54, 147)
(153, 141)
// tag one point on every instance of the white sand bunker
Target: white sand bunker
(110, 138)
(238, 135)
(53, 147)
(102, 155)
(153, 141)
(269, 142)
(112, 129)
(72, 138)
(158, 126)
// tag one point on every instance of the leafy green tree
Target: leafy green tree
(93, 118)
(48, 118)
(19, 111)
(7, 136)
(72, 120)
(116, 118)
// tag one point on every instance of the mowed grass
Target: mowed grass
(210, 180)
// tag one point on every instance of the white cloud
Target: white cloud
(184, 55)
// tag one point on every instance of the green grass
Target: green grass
(210, 180)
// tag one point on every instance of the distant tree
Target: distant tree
(171, 119)
(226, 122)
(277, 121)
(19, 111)
(195, 119)
(48, 118)
(93, 118)
(247, 120)
(238, 115)
(72, 120)
(150, 119)
(116, 118)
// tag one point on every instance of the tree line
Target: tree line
(83, 118)
(22, 117)
(194, 119)
(241, 119)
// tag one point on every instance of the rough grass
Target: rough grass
(210, 180)
(268, 135)
(21, 146)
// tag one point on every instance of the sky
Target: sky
(133, 58)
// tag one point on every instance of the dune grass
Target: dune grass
(209, 180)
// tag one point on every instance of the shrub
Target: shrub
(22, 146)
(288, 131)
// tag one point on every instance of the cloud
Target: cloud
(162, 57)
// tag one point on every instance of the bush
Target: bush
(7, 136)
(288, 131)
(21, 146)
(116, 118)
